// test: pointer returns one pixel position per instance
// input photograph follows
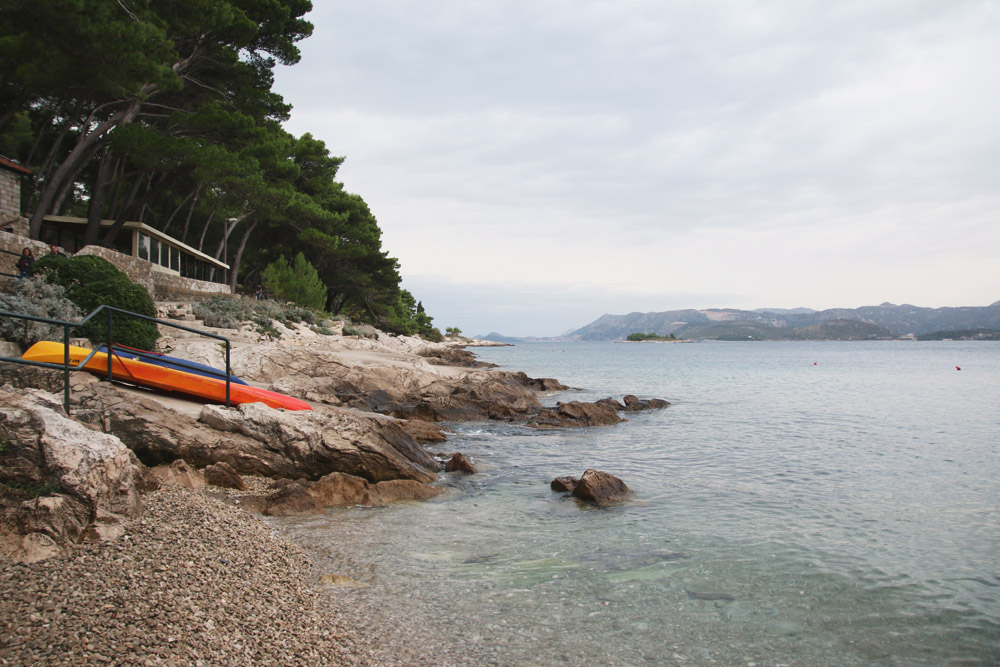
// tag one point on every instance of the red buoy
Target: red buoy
(958, 368)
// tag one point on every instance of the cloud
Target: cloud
(772, 153)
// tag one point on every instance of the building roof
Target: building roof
(13, 166)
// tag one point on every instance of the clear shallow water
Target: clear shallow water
(799, 503)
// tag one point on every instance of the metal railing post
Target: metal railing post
(66, 368)
(228, 374)
(107, 341)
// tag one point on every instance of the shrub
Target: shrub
(299, 284)
(362, 330)
(229, 312)
(35, 296)
(91, 282)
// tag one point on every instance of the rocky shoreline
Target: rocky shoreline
(106, 557)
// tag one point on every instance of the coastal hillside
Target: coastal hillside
(867, 323)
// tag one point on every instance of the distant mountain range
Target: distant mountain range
(886, 321)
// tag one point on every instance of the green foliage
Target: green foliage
(40, 298)
(29, 490)
(299, 284)
(454, 332)
(637, 337)
(164, 113)
(91, 282)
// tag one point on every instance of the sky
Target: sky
(536, 164)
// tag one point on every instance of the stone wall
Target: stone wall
(159, 284)
(10, 196)
(15, 243)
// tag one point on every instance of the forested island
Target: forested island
(651, 337)
(164, 113)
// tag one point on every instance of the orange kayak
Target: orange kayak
(163, 378)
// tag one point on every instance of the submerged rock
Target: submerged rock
(460, 463)
(303, 497)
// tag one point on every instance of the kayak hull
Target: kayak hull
(162, 378)
(158, 359)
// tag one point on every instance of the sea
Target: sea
(799, 503)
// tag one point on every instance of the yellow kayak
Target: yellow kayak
(163, 378)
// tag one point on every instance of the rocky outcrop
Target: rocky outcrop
(575, 414)
(61, 481)
(255, 439)
(302, 497)
(599, 488)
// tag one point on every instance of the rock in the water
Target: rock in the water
(460, 463)
(223, 475)
(564, 484)
(303, 497)
(575, 414)
(634, 403)
(600, 488)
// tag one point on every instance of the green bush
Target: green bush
(91, 282)
(299, 284)
(35, 296)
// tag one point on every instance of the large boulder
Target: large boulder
(600, 488)
(62, 482)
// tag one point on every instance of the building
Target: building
(10, 192)
(166, 267)
(140, 241)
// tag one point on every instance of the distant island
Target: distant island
(886, 321)
(653, 338)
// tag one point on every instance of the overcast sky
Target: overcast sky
(536, 164)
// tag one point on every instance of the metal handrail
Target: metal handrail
(109, 342)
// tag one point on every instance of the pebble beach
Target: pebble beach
(195, 581)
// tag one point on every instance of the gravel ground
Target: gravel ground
(194, 582)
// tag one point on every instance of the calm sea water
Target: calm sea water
(798, 504)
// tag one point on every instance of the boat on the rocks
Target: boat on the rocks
(159, 359)
(164, 378)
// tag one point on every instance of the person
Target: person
(259, 293)
(24, 263)
(54, 250)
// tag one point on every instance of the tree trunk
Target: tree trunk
(211, 214)
(98, 197)
(187, 220)
(235, 268)
(76, 161)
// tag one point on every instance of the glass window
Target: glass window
(164, 255)
(175, 259)
(143, 246)
(154, 251)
